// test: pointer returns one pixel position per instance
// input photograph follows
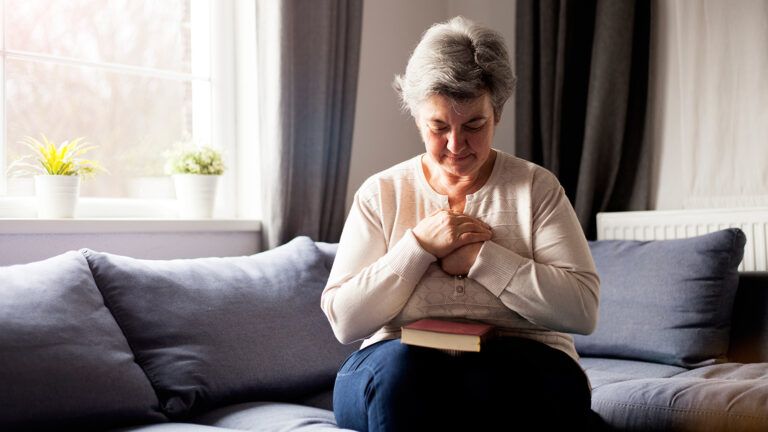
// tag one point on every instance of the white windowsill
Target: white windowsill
(127, 225)
(121, 215)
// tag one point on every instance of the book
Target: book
(446, 335)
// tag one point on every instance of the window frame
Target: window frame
(224, 132)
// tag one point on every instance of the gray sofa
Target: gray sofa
(95, 341)
(682, 338)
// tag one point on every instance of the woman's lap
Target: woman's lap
(389, 386)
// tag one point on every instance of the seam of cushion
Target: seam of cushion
(149, 376)
(716, 379)
(678, 410)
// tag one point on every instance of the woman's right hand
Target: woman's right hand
(444, 231)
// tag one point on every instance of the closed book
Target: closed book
(446, 335)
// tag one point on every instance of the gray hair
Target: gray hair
(458, 59)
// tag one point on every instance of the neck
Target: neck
(457, 186)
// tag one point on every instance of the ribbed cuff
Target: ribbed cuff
(494, 267)
(408, 259)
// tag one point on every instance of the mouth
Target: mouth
(456, 158)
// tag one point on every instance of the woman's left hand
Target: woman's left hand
(460, 260)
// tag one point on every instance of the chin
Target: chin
(464, 166)
(461, 170)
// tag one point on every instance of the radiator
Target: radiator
(675, 224)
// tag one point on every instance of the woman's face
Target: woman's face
(457, 135)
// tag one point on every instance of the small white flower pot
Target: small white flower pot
(56, 196)
(195, 194)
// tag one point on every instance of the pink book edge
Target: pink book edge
(444, 326)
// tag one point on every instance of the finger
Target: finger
(468, 238)
(462, 217)
(480, 221)
(472, 237)
(458, 219)
(472, 226)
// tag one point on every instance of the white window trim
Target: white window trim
(233, 36)
(248, 186)
(3, 150)
(134, 225)
(113, 67)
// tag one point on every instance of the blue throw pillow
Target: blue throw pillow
(665, 301)
(64, 362)
(212, 331)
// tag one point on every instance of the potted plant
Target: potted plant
(195, 172)
(57, 171)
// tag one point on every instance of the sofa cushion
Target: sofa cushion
(174, 427)
(211, 331)
(64, 363)
(714, 398)
(329, 252)
(323, 399)
(631, 368)
(665, 301)
(602, 371)
(270, 417)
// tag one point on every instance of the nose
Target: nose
(455, 141)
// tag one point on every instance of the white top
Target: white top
(535, 278)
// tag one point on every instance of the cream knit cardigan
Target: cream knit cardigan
(535, 278)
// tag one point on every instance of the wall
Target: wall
(25, 241)
(383, 134)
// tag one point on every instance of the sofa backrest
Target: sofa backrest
(749, 322)
(65, 364)
(212, 331)
(92, 340)
(329, 252)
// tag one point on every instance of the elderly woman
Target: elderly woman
(463, 232)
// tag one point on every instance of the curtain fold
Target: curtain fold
(308, 58)
(581, 99)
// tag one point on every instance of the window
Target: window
(132, 76)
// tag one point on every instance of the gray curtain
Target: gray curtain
(308, 57)
(581, 99)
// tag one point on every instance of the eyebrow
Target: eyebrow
(473, 119)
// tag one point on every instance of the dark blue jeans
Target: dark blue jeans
(513, 384)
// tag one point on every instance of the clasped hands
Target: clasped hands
(454, 238)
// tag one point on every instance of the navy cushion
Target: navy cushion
(64, 362)
(665, 301)
(211, 331)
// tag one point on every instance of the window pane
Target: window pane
(145, 33)
(133, 119)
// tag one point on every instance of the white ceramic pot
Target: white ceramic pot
(196, 194)
(56, 196)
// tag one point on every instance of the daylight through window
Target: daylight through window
(132, 76)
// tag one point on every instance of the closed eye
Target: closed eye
(474, 126)
(439, 127)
